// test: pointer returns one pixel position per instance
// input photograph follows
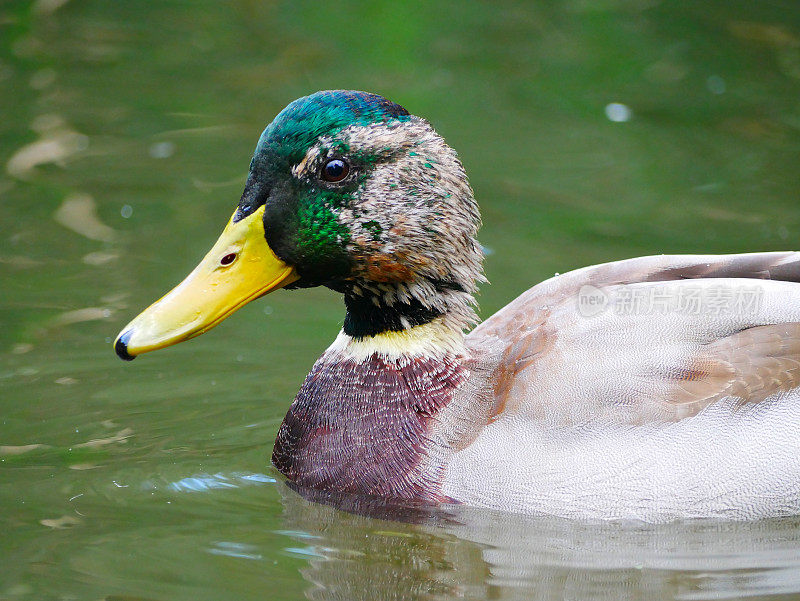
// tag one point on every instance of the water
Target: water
(592, 131)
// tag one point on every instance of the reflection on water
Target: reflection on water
(205, 482)
(591, 131)
(57, 143)
(78, 213)
(459, 552)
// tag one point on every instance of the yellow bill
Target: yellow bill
(239, 268)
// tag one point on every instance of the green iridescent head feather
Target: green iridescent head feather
(326, 113)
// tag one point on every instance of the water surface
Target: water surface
(592, 131)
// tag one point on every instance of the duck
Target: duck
(656, 388)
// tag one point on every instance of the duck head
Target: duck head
(345, 190)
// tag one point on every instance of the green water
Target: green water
(126, 132)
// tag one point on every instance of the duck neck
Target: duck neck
(375, 309)
(433, 341)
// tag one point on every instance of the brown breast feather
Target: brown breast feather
(362, 427)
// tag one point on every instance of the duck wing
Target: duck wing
(646, 339)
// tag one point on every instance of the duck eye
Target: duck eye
(227, 259)
(335, 170)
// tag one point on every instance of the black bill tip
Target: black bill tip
(121, 346)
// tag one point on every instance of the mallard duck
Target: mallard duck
(653, 388)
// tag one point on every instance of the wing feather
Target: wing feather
(667, 361)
